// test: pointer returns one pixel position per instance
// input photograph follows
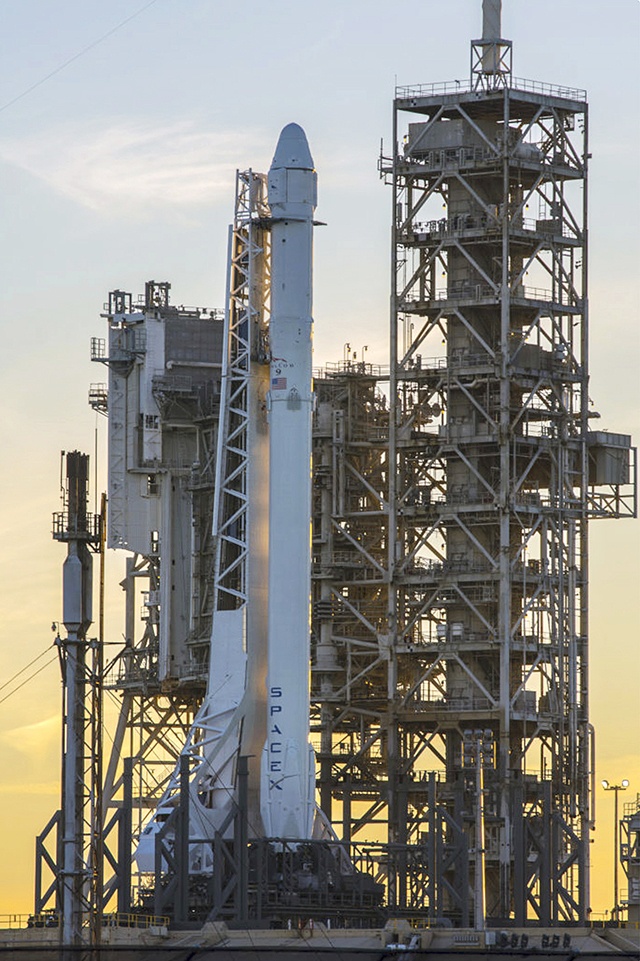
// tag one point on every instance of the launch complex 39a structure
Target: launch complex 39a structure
(450, 773)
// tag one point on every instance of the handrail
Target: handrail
(455, 226)
(121, 920)
(513, 83)
(51, 919)
(486, 291)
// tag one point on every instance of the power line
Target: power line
(77, 56)
(26, 681)
(25, 668)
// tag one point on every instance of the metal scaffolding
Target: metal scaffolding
(450, 531)
(164, 374)
(69, 854)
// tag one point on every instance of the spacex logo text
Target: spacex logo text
(275, 746)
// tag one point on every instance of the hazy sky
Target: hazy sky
(120, 168)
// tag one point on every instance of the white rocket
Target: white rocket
(288, 768)
(269, 634)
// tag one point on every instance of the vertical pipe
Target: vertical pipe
(519, 857)
(504, 613)
(181, 909)
(614, 913)
(325, 648)
(124, 838)
(71, 923)
(76, 897)
(97, 819)
(491, 19)
(433, 891)
(479, 903)
(588, 816)
(346, 810)
(392, 520)
(546, 856)
(242, 851)
(572, 670)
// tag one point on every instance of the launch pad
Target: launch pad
(357, 696)
(323, 942)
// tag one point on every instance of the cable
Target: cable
(77, 56)
(30, 678)
(25, 668)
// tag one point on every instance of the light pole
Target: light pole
(616, 788)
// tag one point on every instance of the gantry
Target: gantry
(453, 496)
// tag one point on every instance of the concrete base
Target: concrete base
(215, 942)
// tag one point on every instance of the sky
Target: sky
(119, 168)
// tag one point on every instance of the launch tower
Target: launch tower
(452, 492)
(451, 650)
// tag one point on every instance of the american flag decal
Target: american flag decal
(278, 383)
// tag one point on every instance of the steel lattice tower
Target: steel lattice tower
(451, 550)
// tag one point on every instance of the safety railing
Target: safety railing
(144, 921)
(454, 226)
(450, 87)
(13, 922)
(350, 367)
(477, 292)
(600, 921)
(51, 919)
(72, 527)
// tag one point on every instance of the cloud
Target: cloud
(36, 740)
(137, 167)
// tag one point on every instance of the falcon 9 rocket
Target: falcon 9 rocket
(288, 775)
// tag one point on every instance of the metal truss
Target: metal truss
(149, 735)
(350, 593)
(450, 531)
(156, 704)
(155, 718)
(202, 488)
(491, 64)
(69, 850)
(501, 610)
(246, 340)
(245, 343)
(221, 490)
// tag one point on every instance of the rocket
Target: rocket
(268, 635)
(288, 765)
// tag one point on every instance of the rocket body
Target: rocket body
(257, 701)
(288, 775)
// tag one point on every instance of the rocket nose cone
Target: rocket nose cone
(292, 149)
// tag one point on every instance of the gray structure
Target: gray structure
(451, 532)
(629, 840)
(452, 495)
(162, 404)
(164, 385)
(75, 831)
